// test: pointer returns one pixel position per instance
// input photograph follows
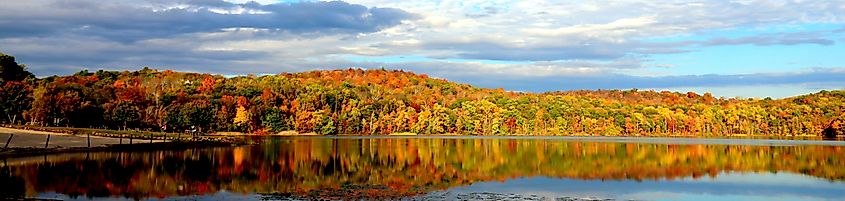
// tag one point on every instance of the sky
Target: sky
(740, 48)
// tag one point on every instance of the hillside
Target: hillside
(373, 102)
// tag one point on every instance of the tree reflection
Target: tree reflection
(395, 166)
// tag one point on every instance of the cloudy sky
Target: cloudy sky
(741, 48)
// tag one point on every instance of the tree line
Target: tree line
(372, 102)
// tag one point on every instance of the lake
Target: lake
(445, 168)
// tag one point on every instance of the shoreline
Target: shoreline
(295, 134)
(291, 133)
(237, 138)
(155, 146)
(104, 133)
(31, 142)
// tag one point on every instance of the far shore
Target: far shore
(293, 133)
(31, 141)
(141, 134)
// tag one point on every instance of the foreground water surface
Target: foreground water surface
(444, 168)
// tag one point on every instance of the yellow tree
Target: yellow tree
(424, 120)
(242, 117)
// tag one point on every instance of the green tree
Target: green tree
(199, 113)
(124, 112)
(275, 120)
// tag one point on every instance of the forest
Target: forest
(380, 102)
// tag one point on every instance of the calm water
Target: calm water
(445, 169)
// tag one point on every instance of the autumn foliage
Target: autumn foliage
(372, 102)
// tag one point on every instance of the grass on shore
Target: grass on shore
(134, 134)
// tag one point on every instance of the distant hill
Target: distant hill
(376, 102)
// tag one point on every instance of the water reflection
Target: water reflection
(373, 168)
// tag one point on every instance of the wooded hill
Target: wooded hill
(373, 102)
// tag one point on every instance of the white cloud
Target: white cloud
(265, 2)
(616, 27)
(477, 38)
